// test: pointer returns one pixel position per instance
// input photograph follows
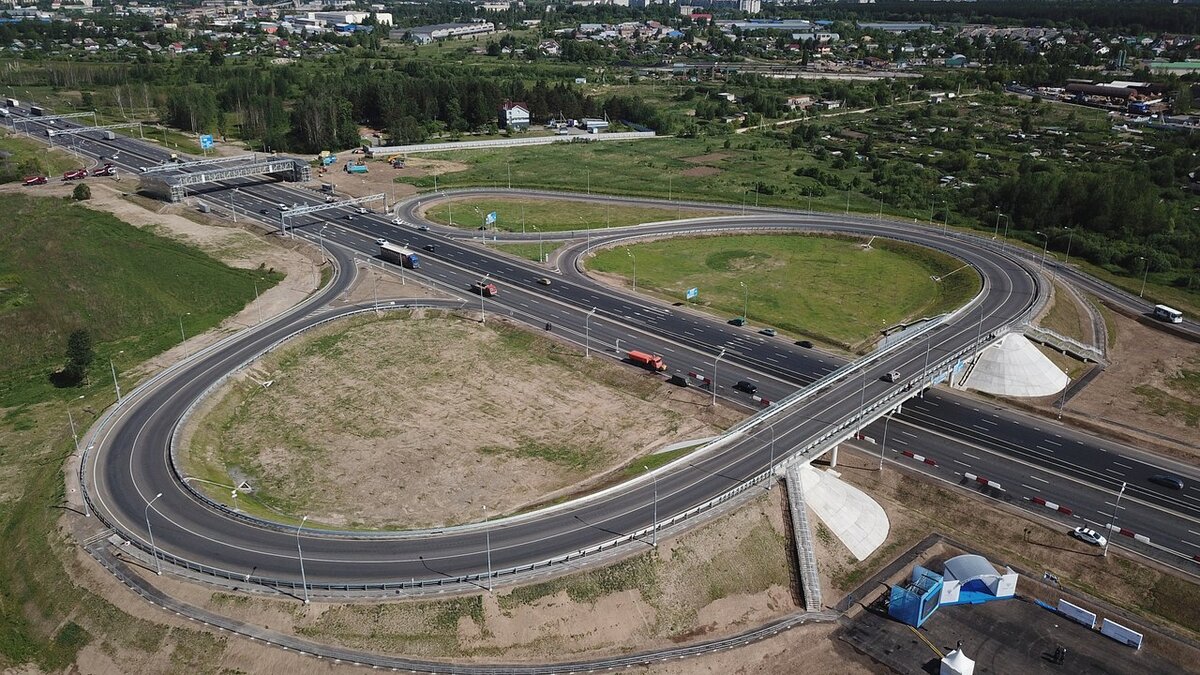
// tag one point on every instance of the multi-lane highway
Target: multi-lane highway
(130, 462)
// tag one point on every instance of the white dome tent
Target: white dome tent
(957, 663)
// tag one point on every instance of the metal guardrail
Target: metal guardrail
(1064, 343)
(419, 148)
(806, 558)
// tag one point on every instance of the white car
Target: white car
(397, 221)
(1089, 536)
(363, 210)
(381, 241)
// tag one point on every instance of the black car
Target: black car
(746, 386)
(805, 343)
(1167, 481)
(738, 321)
(430, 247)
(264, 211)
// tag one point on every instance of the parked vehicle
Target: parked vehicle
(484, 288)
(12, 102)
(805, 344)
(769, 332)
(893, 376)
(650, 361)
(738, 321)
(106, 170)
(1089, 536)
(77, 174)
(35, 180)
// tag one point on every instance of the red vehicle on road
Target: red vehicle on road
(106, 170)
(77, 174)
(35, 180)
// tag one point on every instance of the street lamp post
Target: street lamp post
(928, 347)
(1145, 274)
(654, 528)
(633, 259)
(1045, 247)
(1070, 237)
(116, 385)
(745, 301)
(771, 461)
(300, 554)
(487, 534)
(587, 333)
(862, 399)
(1113, 521)
(182, 336)
(153, 548)
(321, 236)
(482, 312)
(714, 378)
(883, 447)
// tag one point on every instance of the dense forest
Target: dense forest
(1135, 16)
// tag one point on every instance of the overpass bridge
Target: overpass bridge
(171, 181)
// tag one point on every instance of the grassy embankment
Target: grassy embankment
(26, 154)
(829, 289)
(64, 267)
(552, 215)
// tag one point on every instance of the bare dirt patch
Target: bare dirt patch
(701, 171)
(709, 158)
(722, 578)
(398, 421)
(1150, 390)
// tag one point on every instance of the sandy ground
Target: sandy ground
(371, 434)
(554, 626)
(701, 171)
(381, 176)
(1140, 357)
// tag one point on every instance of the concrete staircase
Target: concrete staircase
(806, 559)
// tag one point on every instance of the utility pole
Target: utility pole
(1112, 522)
(300, 554)
(714, 377)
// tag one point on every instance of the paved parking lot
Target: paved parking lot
(1008, 636)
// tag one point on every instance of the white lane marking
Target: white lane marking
(1189, 543)
(1041, 479)
(1042, 447)
(1029, 487)
(963, 463)
(908, 434)
(1119, 508)
(1115, 472)
(1054, 443)
(971, 456)
(901, 441)
(976, 426)
(1123, 466)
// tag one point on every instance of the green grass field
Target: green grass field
(25, 152)
(830, 289)
(63, 266)
(550, 215)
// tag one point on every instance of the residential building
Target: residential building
(514, 116)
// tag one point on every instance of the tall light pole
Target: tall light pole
(182, 337)
(771, 461)
(862, 399)
(1007, 222)
(321, 235)
(482, 285)
(487, 533)
(886, 418)
(996, 229)
(633, 259)
(116, 385)
(1145, 274)
(745, 301)
(1113, 521)
(587, 333)
(153, 548)
(654, 528)
(928, 348)
(714, 378)
(1045, 247)
(300, 554)
(1070, 237)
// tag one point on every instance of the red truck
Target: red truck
(649, 361)
(35, 180)
(106, 170)
(487, 290)
(77, 174)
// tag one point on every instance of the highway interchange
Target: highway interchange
(1029, 457)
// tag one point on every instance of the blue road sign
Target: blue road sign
(692, 292)
(206, 141)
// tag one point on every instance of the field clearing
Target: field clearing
(552, 215)
(28, 153)
(829, 289)
(534, 252)
(424, 433)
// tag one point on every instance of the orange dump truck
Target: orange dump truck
(650, 361)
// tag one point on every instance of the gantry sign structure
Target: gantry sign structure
(171, 181)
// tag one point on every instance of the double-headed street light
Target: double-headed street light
(1045, 247)
(153, 548)
(1145, 274)
(587, 333)
(714, 377)
(300, 554)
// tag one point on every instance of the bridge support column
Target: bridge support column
(833, 456)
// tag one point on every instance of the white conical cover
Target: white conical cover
(957, 663)
(1014, 367)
